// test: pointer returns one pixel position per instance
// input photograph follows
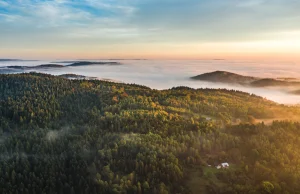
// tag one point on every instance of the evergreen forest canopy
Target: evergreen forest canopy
(89, 136)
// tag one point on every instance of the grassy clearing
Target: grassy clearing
(199, 178)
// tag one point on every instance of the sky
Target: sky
(160, 29)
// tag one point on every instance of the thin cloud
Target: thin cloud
(103, 22)
(250, 3)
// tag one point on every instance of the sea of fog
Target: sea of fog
(165, 74)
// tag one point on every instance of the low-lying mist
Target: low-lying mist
(165, 74)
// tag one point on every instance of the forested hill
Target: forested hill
(233, 78)
(79, 136)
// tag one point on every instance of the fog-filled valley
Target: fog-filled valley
(165, 74)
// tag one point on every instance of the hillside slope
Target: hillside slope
(78, 136)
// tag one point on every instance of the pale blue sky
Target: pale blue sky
(150, 28)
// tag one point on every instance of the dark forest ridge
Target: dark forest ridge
(76, 76)
(233, 78)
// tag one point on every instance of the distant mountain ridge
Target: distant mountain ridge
(86, 63)
(36, 67)
(8, 60)
(52, 65)
(233, 78)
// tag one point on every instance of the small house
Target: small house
(223, 166)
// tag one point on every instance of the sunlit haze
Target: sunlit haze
(162, 29)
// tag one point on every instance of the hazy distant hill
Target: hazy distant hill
(267, 82)
(225, 77)
(232, 78)
(49, 66)
(73, 64)
(86, 63)
(36, 67)
(9, 60)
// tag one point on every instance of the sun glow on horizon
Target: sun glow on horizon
(154, 29)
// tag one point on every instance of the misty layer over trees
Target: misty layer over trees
(88, 136)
